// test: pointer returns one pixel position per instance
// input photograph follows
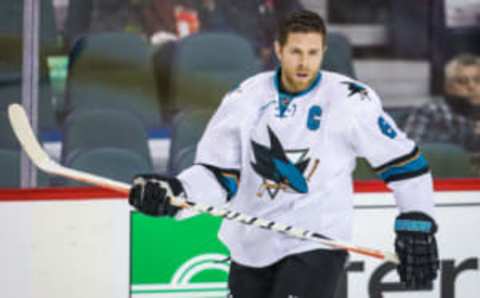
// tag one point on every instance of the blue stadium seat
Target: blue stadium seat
(113, 71)
(208, 65)
(187, 129)
(86, 130)
(113, 163)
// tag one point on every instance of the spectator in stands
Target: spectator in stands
(455, 118)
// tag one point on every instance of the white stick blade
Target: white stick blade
(23, 130)
(25, 135)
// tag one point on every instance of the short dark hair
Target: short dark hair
(301, 21)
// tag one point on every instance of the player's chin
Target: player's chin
(303, 81)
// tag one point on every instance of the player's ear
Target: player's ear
(278, 50)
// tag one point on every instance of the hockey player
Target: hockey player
(282, 146)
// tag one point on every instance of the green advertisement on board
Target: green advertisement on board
(177, 258)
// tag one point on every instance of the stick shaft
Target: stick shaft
(40, 158)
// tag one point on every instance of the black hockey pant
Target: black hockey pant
(313, 274)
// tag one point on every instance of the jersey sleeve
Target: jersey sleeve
(394, 157)
(214, 177)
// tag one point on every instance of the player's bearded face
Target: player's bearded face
(301, 57)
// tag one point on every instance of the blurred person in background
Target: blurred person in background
(450, 119)
(455, 118)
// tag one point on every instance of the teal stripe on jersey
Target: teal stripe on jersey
(413, 166)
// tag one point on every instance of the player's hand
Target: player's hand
(416, 247)
(150, 194)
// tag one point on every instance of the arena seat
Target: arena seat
(113, 163)
(187, 129)
(207, 65)
(114, 71)
(87, 130)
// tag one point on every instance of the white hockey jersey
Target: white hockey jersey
(295, 154)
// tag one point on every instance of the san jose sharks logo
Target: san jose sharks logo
(356, 88)
(281, 170)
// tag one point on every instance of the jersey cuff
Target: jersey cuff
(404, 167)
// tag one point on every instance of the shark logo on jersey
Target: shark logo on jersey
(356, 88)
(281, 170)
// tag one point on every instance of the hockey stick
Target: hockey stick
(22, 129)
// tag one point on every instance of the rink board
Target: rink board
(72, 244)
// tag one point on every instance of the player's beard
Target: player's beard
(298, 84)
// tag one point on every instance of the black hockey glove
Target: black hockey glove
(417, 249)
(150, 194)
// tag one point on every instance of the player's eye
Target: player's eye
(295, 51)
